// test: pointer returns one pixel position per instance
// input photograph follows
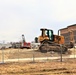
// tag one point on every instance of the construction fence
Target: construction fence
(33, 55)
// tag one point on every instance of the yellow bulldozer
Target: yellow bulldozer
(50, 42)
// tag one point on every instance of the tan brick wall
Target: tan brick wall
(65, 32)
(72, 28)
(68, 29)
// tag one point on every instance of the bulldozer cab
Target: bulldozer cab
(50, 34)
(46, 34)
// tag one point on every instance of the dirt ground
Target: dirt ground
(25, 53)
(37, 68)
(41, 68)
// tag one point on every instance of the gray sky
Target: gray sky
(26, 17)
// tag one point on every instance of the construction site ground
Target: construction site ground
(30, 53)
(40, 68)
(36, 68)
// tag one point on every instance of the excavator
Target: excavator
(25, 44)
(50, 42)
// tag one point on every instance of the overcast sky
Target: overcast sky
(26, 17)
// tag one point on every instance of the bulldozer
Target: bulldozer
(50, 42)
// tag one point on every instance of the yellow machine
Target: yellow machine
(51, 42)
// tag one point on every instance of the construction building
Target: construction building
(69, 33)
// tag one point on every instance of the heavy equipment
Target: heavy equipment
(22, 44)
(51, 42)
(25, 44)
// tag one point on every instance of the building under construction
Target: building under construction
(69, 34)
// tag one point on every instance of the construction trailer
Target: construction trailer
(69, 34)
(16, 44)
